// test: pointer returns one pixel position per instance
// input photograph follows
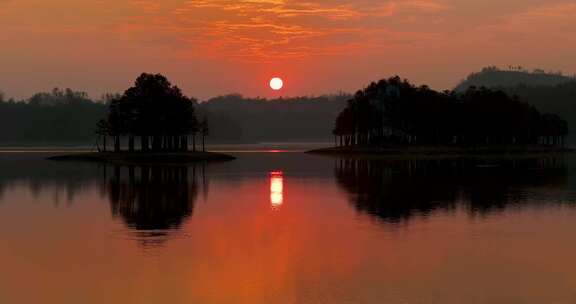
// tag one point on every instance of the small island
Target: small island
(155, 116)
(395, 117)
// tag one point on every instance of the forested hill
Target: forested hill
(491, 77)
(552, 93)
(234, 118)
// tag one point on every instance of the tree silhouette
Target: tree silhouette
(204, 130)
(394, 111)
(102, 131)
(155, 111)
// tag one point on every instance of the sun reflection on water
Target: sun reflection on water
(276, 189)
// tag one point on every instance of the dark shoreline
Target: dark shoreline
(440, 151)
(143, 158)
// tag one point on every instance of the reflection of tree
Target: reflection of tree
(152, 198)
(397, 190)
(153, 201)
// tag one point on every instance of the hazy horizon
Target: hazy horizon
(217, 47)
(99, 96)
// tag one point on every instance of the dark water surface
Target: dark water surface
(289, 228)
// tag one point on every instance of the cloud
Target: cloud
(555, 13)
(264, 30)
(536, 24)
(147, 5)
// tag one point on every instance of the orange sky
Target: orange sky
(212, 47)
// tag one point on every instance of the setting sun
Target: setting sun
(276, 83)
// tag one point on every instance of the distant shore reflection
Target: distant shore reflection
(395, 191)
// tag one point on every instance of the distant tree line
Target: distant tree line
(157, 113)
(394, 111)
(59, 116)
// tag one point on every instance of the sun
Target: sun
(276, 83)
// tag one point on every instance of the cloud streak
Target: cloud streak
(264, 30)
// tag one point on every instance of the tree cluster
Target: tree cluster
(156, 113)
(394, 111)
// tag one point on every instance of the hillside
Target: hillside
(234, 118)
(493, 77)
(551, 93)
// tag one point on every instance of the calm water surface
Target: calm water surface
(289, 228)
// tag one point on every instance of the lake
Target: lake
(288, 227)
